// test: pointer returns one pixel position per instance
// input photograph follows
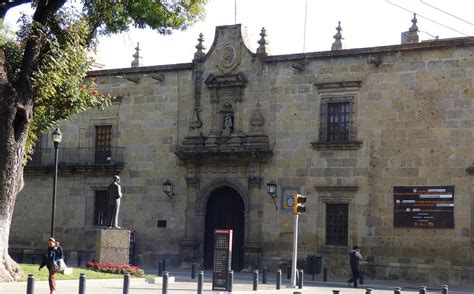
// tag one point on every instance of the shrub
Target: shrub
(115, 269)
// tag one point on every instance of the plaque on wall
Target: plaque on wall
(287, 196)
(222, 259)
(423, 207)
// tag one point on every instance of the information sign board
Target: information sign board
(423, 207)
(222, 259)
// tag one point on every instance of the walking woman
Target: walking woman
(54, 253)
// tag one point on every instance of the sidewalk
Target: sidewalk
(242, 284)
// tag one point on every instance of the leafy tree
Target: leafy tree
(43, 77)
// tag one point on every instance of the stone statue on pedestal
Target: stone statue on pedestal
(114, 193)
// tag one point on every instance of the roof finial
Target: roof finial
(414, 27)
(411, 36)
(337, 45)
(200, 48)
(136, 56)
(262, 49)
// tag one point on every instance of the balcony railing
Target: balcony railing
(78, 159)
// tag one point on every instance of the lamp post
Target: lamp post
(57, 136)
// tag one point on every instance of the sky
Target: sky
(365, 23)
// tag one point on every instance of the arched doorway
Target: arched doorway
(225, 210)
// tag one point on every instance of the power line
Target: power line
(427, 18)
(304, 31)
(445, 12)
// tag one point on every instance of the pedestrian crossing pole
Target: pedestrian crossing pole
(295, 251)
(298, 207)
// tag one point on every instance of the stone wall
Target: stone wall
(412, 119)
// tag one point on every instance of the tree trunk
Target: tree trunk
(15, 120)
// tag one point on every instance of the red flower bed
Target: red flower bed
(115, 269)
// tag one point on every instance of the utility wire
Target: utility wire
(428, 19)
(445, 12)
(304, 31)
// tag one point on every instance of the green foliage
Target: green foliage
(58, 81)
(113, 16)
(42, 275)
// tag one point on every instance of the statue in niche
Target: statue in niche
(228, 125)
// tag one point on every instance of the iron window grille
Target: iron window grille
(337, 224)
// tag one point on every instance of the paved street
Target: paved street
(242, 284)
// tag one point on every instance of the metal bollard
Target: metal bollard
(444, 289)
(160, 268)
(264, 275)
(335, 291)
(300, 279)
(82, 283)
(164, 265)
(255, 280)
(325, 274)
(288, 272)
(423, 290)
(193, 271)
(361, 277)
(368, 291)
(165, 282)
(278, 280)
(200, 282)
(30, 287)
(230, 281)
(126, 283)
(397, 290)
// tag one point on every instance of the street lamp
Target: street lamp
(168, 189)
(57, 136)
(272, 191)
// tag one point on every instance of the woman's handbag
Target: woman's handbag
(59, 265)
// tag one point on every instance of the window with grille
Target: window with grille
(336, 224)
(100, 208)
(103, 144)
(338, 122)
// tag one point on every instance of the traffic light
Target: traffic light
(298, 205)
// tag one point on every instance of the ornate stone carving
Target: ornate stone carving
(195, 122)
(229, 58)
(411, 36)
(262, 49)
(199, 54)
(136, 56)
(192, 181)
(337, 45)
(257, 120)
(255, 182)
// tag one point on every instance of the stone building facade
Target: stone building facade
(345, 127)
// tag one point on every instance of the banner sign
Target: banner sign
(222, 259)
(423, 207)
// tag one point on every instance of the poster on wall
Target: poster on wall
(423, 207)
(286, 201)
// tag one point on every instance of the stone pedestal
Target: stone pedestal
(113, 246)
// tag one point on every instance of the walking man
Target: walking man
(354, 258)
